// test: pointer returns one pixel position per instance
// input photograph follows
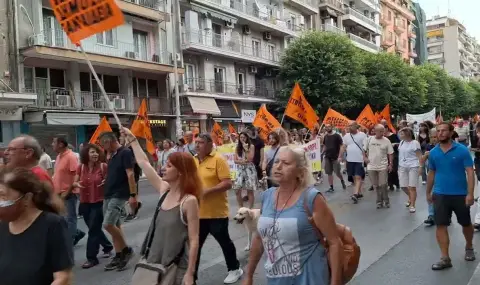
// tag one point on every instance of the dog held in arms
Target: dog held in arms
(248, 217)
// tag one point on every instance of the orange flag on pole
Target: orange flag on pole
(367, 118)
(217, 134)
(141, 127)
(104, 126)
(385, 115)
(300, 110)
(265, 122)
(335, 119)
(231, 129)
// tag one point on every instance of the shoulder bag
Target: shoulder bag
(269, 167)
(147, 273)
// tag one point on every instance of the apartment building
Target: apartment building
(231, 53)
(357, 19)
(451, 47)
(133, 61)
(398, 35)
(419, 33)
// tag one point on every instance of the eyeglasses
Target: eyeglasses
(10, 149)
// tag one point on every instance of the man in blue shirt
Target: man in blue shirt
(452, 191)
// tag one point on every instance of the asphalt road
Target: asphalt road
(397, 249)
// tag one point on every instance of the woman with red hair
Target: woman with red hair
(173, 233)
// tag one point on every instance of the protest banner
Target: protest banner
(228, 151)
(265, 122)
(313, 155)
(141, 127)
(335, 119)
(300, 110)
(420, 118)
(367, 118)
(104, 126)
(385, 115)
(82, 19)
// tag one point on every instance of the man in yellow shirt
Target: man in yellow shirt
(215, 174)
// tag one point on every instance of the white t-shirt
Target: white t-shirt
(378, 151)
(354, 146)
(407, 156)
(45, 161)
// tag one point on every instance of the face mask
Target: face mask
(10, 210)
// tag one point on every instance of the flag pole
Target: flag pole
(283, 117)
(100, 85)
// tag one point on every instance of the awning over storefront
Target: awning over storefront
(64, 119)
(204, 105)
(215, 14)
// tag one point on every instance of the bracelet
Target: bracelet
(130, 142)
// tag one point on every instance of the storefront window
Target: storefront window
(190, 125)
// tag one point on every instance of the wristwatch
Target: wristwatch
(133, 195)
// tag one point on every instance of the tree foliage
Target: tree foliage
(332, 72)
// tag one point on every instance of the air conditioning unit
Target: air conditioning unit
(63, 100)
(175, 56)
(229, 24)
(252, 69)
(246, 30)
(268, 72)
(130, 54)
(351, 4)
(119, 103)
(267, 36)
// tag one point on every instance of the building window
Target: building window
(140, 43)
(271, 52)
(390, 36)
(219, 75)
(404, 44)
(255, 47)
(189, 76)
(389, 15)
(105, 38)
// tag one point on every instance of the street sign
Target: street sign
(248, 116)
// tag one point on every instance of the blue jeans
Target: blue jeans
(93, 216)
(71, 218)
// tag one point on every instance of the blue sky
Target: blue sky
(466, 12)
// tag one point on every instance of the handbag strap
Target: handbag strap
(154, 221)
(355, 142)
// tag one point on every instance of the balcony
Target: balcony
(331, 29)
(360, 19)
(308, 7)
(155, 105)
(398, 27)
(412, 35)
(402, 9)
(228, 91)
(253, 15)
(336, 5)
(55, 45)
(216, 44)
(149, 9)
(364, 44)
(399, 48)
(384, 21)
(412, 54)
(386, 43)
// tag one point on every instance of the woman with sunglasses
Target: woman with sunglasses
(32, 232)
(173, 235)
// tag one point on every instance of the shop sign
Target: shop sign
(248, 116)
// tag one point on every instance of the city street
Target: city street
(396, 247)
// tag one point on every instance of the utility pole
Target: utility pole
(176, 36)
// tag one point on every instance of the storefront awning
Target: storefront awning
(72, 119)
(204, 105)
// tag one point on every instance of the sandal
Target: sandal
(469, 254)
(444, 263)
(89, 264)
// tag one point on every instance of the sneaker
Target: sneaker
(469, 254)
(412, 210)
(476, 226)
(371, 188)
(424, 182)
(106, 254)
(344, 186)
(139, 205)
(386, 205)
(330, 190)
(429, 221)
(444, 263)
(130, 217)
(360, 196)
(233, 276)
(113, 263)
(127, 254)
(379, 205)
(89, 264)
(78, 237)
(354, 198)
(407, 204)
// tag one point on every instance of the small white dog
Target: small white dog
(248, 217)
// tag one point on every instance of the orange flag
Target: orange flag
(217, 134)
(265, 122)
(385, 115)
(104, 126)
(300, 110)
(141, 127)
(367, 118)
(335, 119)
(231, 129)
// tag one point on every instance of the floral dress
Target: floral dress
(246, 176)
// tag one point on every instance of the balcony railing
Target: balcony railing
(58, 38)
(355, 13)
(332, 29)
(311, 3)
(412, 35)
(253, 11)
(337, 4)
(364, 42)
(201, 85)
(398, 26)
(152, 4)
(208, 39)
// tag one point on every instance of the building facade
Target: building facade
(452, 48)
(398, 35)
(133, 61)
(420, 30)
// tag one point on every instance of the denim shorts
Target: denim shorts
(355, 169)
(112, 210)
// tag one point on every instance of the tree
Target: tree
(328, 68)
(463, 98)
(391, 81)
